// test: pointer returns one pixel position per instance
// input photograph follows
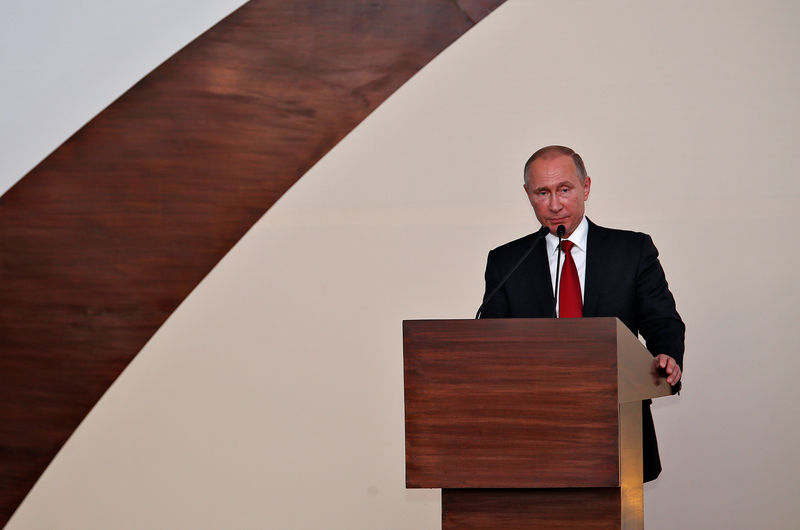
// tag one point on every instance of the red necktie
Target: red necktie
(569, 298)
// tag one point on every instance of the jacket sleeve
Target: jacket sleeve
(659, 321)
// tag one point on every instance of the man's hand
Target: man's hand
(664, 364)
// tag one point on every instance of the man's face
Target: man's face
(556, 193)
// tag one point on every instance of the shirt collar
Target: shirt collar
(578, 238)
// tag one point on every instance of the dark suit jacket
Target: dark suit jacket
(624, 279)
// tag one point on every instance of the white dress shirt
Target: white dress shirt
(578, 238)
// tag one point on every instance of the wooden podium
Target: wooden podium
(528, 423)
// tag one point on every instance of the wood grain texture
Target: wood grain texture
(521, 509)
(104, 238)
(511, 403)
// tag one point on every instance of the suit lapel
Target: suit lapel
(596, 268)
(537, 269)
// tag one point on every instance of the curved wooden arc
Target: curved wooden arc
(104, 238)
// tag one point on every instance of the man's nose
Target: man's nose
(554, 204)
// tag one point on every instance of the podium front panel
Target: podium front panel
(511, 403)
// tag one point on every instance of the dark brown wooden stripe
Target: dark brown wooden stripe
(101, 241)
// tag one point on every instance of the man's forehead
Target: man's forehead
(549, 167)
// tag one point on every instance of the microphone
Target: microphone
(538, 237)
(560, 231)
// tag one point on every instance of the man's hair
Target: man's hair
(555, 150)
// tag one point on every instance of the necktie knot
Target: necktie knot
(566, 245)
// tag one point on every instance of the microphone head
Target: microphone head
(560, 231)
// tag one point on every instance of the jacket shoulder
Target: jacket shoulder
(629, 237)
(512, 248)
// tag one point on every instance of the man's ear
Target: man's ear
(586, 185)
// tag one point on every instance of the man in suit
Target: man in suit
(608, 273)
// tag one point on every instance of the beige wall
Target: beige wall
(273, 397)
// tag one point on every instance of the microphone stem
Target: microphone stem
(558, 266)
(560, 231)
